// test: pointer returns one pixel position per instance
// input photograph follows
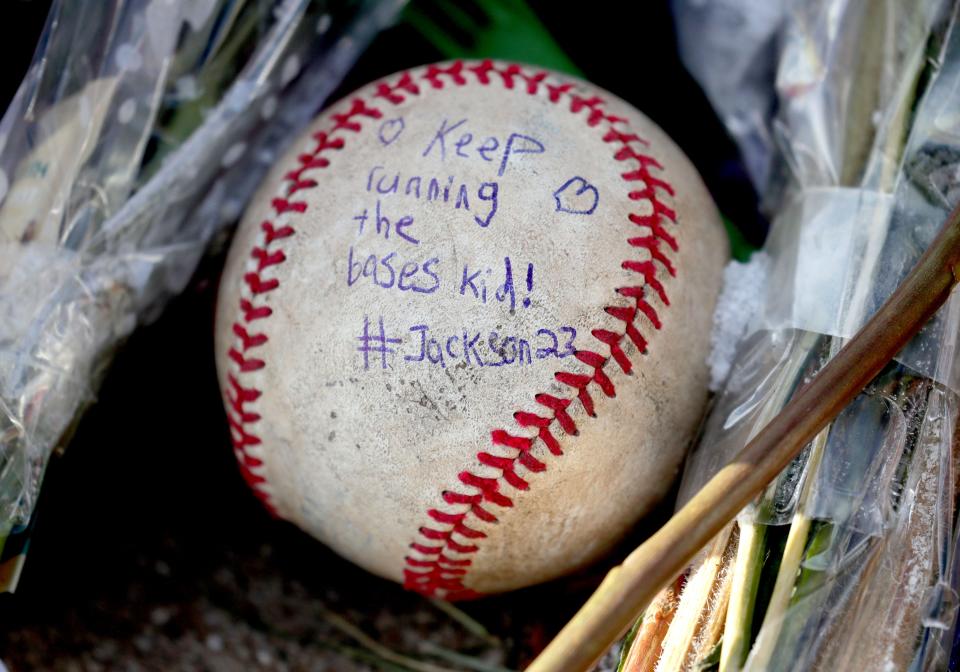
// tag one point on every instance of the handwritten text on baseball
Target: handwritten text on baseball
(380, 347)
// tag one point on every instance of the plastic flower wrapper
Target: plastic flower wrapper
(847, 561)
(140, 130)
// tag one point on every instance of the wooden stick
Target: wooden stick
(627, 589)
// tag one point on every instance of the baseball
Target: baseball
(462, 330)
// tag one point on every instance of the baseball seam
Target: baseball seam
(440, 556)
(268, 253)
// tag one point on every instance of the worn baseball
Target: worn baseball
(462, 330)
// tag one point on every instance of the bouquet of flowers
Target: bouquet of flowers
(847, 560)
(139, 132)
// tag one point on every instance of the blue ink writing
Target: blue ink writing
(412, 276)
(516, 347)
(383, 225)
(526, 300)
(464, 140)
(476, 349)
(491, 350)
(519, 144)
(568, 346)
(485, 197)
(445, 143)
(551, 348)
(429, 348)
(469, 281)
(577, 197)
(473, 282)
(553, 344)
(380, 344)
(487, 192)
(489, 145)
(471, 347)
(440, 137)
(390, 130)
(505, 291)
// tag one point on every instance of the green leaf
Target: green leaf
(628, 642)
(502, 29)
(740, 249)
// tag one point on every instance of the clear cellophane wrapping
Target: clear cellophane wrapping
(847, 115)
(138, 134)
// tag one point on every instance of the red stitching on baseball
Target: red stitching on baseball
(258, 285)
(427, 575)
(391, 93)
(652, 222)
(442, 569)
(251, 312)
(266, 258)
(282, 205)
(239, 416)
(489, 488)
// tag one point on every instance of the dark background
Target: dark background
(147, 511)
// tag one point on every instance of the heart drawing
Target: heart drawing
(390, 130)
(577, 197)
